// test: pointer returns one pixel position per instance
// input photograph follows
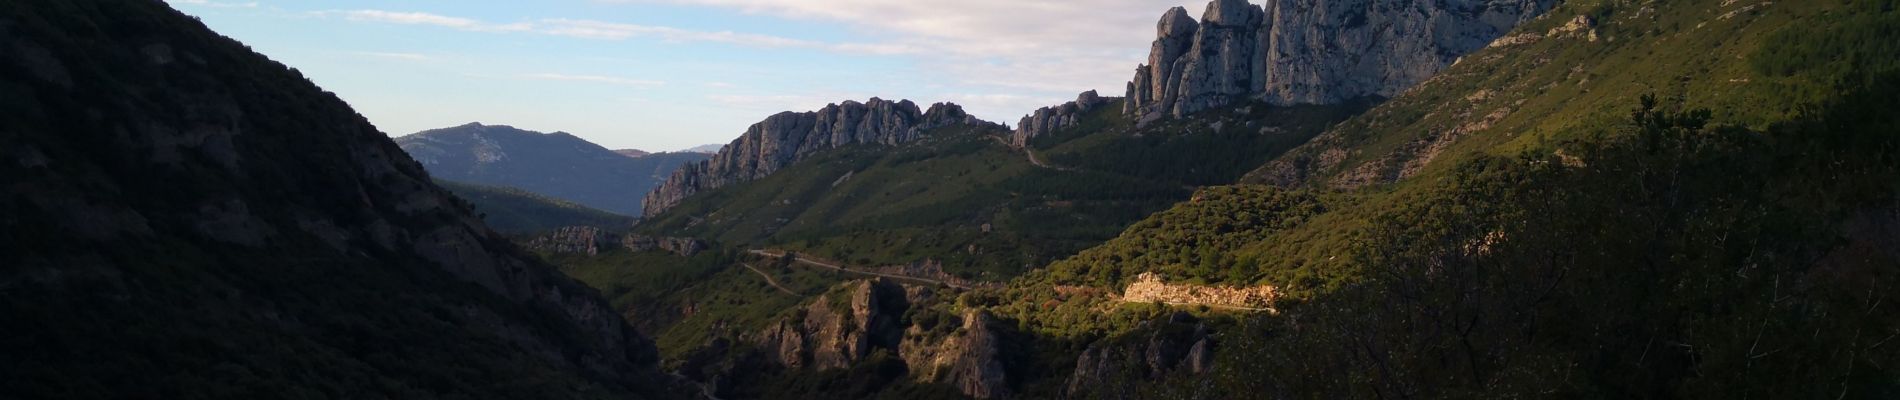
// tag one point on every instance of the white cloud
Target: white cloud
(601, 30)
(421, 18)
(594, 79)
(1008, 57)
(395, 56)
(1053, 47)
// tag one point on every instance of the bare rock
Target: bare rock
(1048, 120)
(570, 240)
(789, 137)
(1310, 51)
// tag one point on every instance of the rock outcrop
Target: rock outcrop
(1114, 368)
(964, 352)
(591, 241)
(1048, 120)
(829, 336)
(1310, 51)
(969, 360)
(683, 247)
(570, 240)
(789, 137)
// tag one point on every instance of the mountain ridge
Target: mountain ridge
(788, 137)
(557, 164)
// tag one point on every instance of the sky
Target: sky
(665, 75)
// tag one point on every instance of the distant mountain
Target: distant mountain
(519, 212)
(557, 165)
(635, 153)
(184, 218)
(707, 149)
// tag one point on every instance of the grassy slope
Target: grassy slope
(924, 200)
(1453, 166)
(1478, 252)
(518, 212)
(931, 200)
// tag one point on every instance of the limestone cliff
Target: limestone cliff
(1115, 368)
(789, 137)
(970, 359)
(828, 336)
(1048, 120)
(1310, 51)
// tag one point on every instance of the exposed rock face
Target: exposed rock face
(174, 199)
(590, 240)
(570, 240)
(829, 338)
(1310, 51)
(1112, 369)
(1149, 287)
(1048, 120)
(789, 137)
(969, 360)
(684, 247)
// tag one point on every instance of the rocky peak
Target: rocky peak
(789, 137)
(1048, 120)
(1232, 13)
(1310, 51)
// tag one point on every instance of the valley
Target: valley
(1289, 199)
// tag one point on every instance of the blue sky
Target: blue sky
(671, 74)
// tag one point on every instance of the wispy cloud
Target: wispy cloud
(1053, 47)
(770, 103)
(602, 30)
(421, 18)
(395, 56)
(595, 79)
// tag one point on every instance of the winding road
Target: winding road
(835, 267)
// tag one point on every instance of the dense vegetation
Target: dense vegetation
(961, 197)
(518, 212)
(1734, 246)
(1215, 147)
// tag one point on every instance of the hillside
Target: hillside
(1645, 199)
(517, 212)
(1695, 190)
(981, 208)
(185, 218)
(557, 165)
